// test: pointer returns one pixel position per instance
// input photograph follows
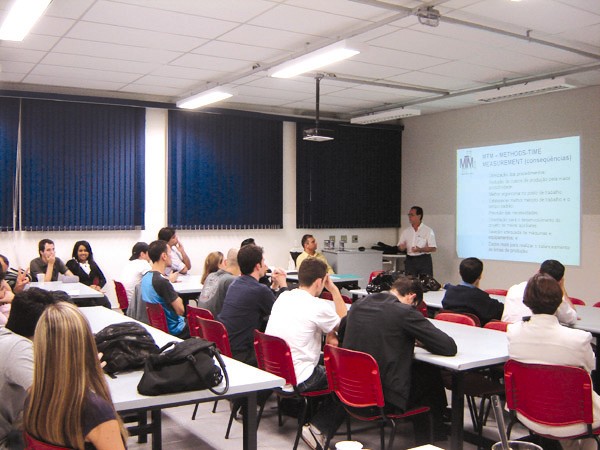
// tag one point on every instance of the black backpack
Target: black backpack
(125, 346)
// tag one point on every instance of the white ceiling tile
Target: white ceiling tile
(106, 50)
(129, 36)
(397, 58)
(362, 69)
(72, 82)
(434, 81)
(263, 37)
(11, 77)
(592, 6)
(471, 72)
(133, 16)
(284, 84)
(389, 96)
(301, 20)
(254, 91)
(19, 54)
(343, 8)
(52, 26)
(240, 51)
(32, 42)
(463, 33)
(256, 100)
(218, 64)
(590, 78)
(187, 73)
(77, 72)
(15, 67)
(514, 62)
(69, 9)
(177, 83)
(550, 53)
(589, 35)
(94, 62)
(151, 89)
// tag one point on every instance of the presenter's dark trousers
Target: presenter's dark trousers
(416, 265)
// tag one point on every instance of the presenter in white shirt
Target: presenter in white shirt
(418, 240)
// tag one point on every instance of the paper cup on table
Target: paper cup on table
(40, 277)
(517, 445)
(348, 445)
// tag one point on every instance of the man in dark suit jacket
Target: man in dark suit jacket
(466, 297)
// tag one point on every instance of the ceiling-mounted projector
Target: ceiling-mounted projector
(317, 134)
(428, 16)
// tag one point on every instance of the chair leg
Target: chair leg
(472, 411)
(300, 422)
(348, 429)
(279, 414)
(214, 410)
(393, 435)
(195, 411)
(382, 435)
(231, 417)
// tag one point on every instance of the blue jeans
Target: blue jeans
(316, 382)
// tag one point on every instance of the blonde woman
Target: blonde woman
(68, 381)
(213, 262)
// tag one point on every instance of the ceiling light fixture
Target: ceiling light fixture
(315, 60)
(524, 90)
(204, 98)
(21, 18)
(428, 16)
(384, 116)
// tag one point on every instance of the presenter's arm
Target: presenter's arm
(425, 249)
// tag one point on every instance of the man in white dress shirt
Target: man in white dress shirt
(515, 309)
(418, 241)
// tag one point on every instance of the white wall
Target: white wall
(113, 248)
(429, 175)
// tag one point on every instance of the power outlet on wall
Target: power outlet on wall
(343, 238)
(355, 238)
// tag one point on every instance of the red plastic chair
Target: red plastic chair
(423, 308)
(33, 444)
(193, 312)
(550, 395)
(214, 331)
(326, 295)
(596, 305)
(374, 274)
(577, 301)
(497, 292)
(121, 296)
(461, 318)
(273, 355)
(497, 325)
(354, 378)
(156, 316)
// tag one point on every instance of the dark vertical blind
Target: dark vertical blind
(350, 182)
(225, 171)
(9, 126)
(83, 166)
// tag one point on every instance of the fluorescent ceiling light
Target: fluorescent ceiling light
(524, 90)
(383, 116)
(204, 98)
(315, 60)
(21, 18)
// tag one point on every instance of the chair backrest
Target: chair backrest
(214, 331)
(273, 355)
(326, 295)
(33, 444)
(496, 325)
(423, 308)
(354, 377)
(156, 316)
(577, 301)
(596, 305)
(497, 292)
(193, 312)
(547, 394)
(121, 296)
(461, 318)
(374, 274)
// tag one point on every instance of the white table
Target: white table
(478, 348)
(360, 263)
(244, 381)
(589, 320)
(188, 284)
(73, 290)
(395, 260)
(433, 299)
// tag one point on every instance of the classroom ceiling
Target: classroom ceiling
(163, 50)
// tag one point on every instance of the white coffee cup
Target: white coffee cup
(348, 445)
(40, 277)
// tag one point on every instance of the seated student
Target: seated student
(515, 310)
(180, 261)
(309, 244)
(83, 266)
(134, 270)
(214, 267)
(16, 279)
(248, 303)
(16, 361)
(156, 288)
(543, 340)
(47, 263)
(468, 298)
(214, 290)
(69, 381)
(386, 325)
(6, 298)
(301, 318)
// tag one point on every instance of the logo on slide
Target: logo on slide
(467, 164)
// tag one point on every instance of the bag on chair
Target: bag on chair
(189, 366)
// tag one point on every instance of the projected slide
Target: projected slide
(520, 201)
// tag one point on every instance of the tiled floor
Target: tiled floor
(208, 430)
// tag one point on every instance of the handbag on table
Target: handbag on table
(189, 366)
